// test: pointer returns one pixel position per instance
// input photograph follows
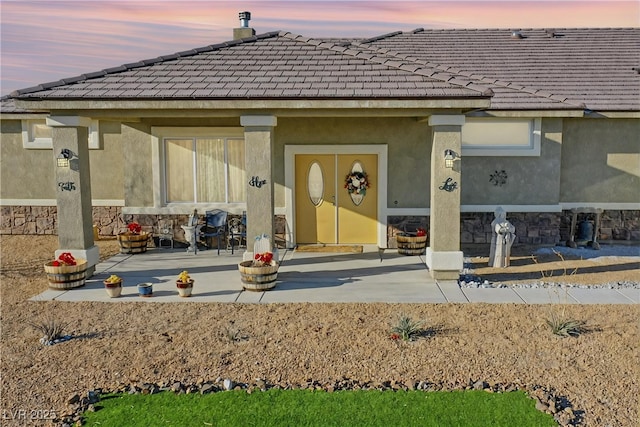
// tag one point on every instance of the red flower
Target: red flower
(55, 263)
(263, 258)
(395, 337)
(66, 258)
(134, 228)
(421, 232)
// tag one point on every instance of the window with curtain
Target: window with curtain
(204, 170)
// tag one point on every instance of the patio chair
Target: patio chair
(215, 226)
(238, 230)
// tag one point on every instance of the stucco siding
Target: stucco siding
(26, 174)
(601, 161)
(527, 180)
(137, 161)
(29, 173)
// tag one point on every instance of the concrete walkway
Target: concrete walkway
(371, 276)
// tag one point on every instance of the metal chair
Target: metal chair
(238, 230)
(215, 226)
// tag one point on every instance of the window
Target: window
(37, 135)
(204, 169)
(501, 137)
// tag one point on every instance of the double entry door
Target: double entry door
(328, 208)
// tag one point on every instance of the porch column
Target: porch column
(444, 257)
(73, 189)
(258, 142)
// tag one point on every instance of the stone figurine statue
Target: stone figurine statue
(501, 240)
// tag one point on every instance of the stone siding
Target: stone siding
(531, 228)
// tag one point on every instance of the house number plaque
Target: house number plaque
(67, 186)
(257, 182)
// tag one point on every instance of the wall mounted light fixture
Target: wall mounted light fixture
(63, 158)
(449, 157)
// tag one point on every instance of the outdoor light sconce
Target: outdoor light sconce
(449, 157)
(63, 158)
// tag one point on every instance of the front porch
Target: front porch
(375, 275)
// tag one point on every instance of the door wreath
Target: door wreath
(357, 182)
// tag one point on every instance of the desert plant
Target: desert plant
(564, 326)
(557, 320)
(406, 328)
(51, 329)
(548, 274)
(232, 333)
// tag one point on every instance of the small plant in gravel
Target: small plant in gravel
(548, 274)
(406, 329)
(232, 333)
(557, 320)
(52, 330)
(564, 326)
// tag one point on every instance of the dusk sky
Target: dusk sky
(44, 41)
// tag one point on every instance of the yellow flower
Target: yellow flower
(184, 276)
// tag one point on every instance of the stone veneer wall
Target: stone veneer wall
(109, 220)
(531, 228)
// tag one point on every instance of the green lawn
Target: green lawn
(319, 408)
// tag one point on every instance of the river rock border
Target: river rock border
(547, 399)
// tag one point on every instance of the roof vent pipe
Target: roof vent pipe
(245, 17)
(244, 31)
(517, 35)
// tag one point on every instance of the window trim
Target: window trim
(31, 143)
(531, 150)
(158, 135)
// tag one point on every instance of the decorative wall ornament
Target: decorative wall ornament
(357, 183)
(449, 185)
(67, 186)
(498, 178)
(257, 182)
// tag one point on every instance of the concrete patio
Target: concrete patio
(371, 276)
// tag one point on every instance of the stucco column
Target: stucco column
(258, 140)
(444, 258)
(73, 189)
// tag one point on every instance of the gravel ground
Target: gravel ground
(115, 345)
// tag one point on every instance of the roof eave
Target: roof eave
(463, 103)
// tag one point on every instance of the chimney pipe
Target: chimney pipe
(244, 19)
(244, 31)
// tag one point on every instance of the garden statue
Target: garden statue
(191, 232)
(501, 240)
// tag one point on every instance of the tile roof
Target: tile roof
(532, 69)
(269, 66)
(593, 67)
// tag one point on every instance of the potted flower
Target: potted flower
(113, 286)
(66, 272)
(184, 284)
(133, 240)
(259, 274)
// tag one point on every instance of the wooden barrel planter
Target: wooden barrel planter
(65, 277)
(258, 278)
(133, 243)
(410, 244)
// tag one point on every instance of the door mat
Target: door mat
(330, 248)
